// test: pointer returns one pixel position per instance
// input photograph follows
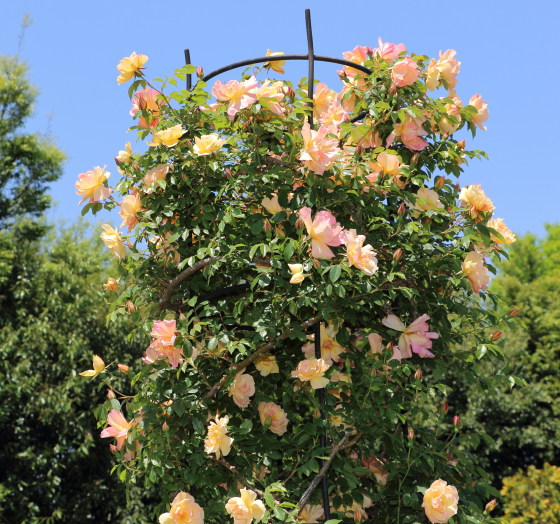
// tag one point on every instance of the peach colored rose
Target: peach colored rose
(445, 125)
(446, 68)
(426, 199)
(129, 210)
(208, 144)
(239, 95)
(119, 427)
(309, 514)
(350, 93)
(319, 151)
(153, 175)
(365, 136)
(90, 185)
(482, 107)
(322, 100)
(334, 115)
(98, 367)
(111, 284)
(112, 239)
(297, 273)
(129, 66)
(269, 411)
(146, 100)
(415, 337)
(312, 371)
(272, 205)
(324, 231)
(475, 270)
(168, 137)
(275, 65)
(409, 133)
(358, 55)
(242, 389)
(124, 156)
(387, 163)
(271, 96)
(405, 72)
(475, 199)
(388, 52)
(164, 335)
(217, 440)
(440, 502)
(499, 225)
(375, 343)
(245, 508)
(330, 348)
(184, 510)
(266, 364)
(363, 257)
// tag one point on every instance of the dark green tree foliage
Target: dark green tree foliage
(524, 422)
(53, 464)
(28, 162)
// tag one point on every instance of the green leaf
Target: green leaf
(334, 274)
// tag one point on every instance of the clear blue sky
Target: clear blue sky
(508, 49)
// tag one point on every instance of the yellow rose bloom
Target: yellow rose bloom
(129, 66)
(168, 137)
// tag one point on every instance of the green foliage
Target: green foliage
(28, 162)
(533, 496)
(523, 422)
(53, 465)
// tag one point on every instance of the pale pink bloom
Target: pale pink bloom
(363, 257)
(310, 514)
(239, 94)
(245, 508)
(98, 367)
(426, 199)
(112, 239)
(312, 371)
(322, 100)
(270, 96)
(275, 65)
(111, 284)
(330, 348)
(119, 427)
(415, 338)
(90, 185)
(475, 199)
(164, 331)
(375, 343)
(445, 68)
(409, 133)
(297, 273)
(266, 364)
(319, 152)
(164, 335)
(129, 66)
(146, 100)
(482, 107)
(217, 441)
(269, 411)
(405, 72)
(388, 52)
(358, 55)
(324, 231)
(242, 389)
(499, 225)
(184, 510)
(334, 115)
(272, 205)
(474, 269)
(337, 376)
(153, 175)
(440, 502)
(129, 210)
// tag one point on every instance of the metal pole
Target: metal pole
(311, 58)
(188, 62)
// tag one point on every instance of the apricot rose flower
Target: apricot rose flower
(168, 137)
(426, 199)
(363, 257)
(129, 210)
(129, 66)
(410, 133)
(405, 72)
(482, 107)
(276, 415)
(208, 144)
(298, 275)
(312, 371)
(153, 175)
(415, 338)
(388, 52)
(498, 224)
(275, 65)
(309, 514)
(112, 239)
(266, 364)
(146, 100)
(184, 510)
(271, 204)
(445, 68)
(475, 199)
(217, 440)
(330, 348)
(319, 151)
(119, 427)
(324, 230)
(440, 502)
(475, 270)
(98, 367)
(245, 508)
(242, 389)
(239, 94)
(164, 335)
(90, 185)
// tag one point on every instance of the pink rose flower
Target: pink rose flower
(239, 94)
(388, 52)
(405, 72)
(482, 108)
(119, 427)
(276, 415)
(334, 115)
(153, 175)
(164, 335)
(322, 99)
(90, 185)
(475, 270)
(445, 68)
(245, 508)
(409, 133)
(363, 257)
(440, 502)
(184, 510)
(146, 100)
(242, 389)
(324, 231)
(330, 348)
(319, 152)
(270, 96)
(358, 55)
(415, 338)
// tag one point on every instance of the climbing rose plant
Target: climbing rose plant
(245, 233)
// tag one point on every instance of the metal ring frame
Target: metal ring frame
(311, 58)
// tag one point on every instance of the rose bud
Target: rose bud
(111, 394)
(135, 166)
(316, 264)
(411, 434)
(418, 375)
(461, 144)
(299, 224)
(165, 427)
(456, 421)
(130, 307)
(514, 312)
(124, 368)
(118, 161)
(439, 182)
(414, 158)
(113, 448)
(445, 407)
(397, 255)
(496, 335)
(358, 149)
(267, 226)
(491, 505)
(199, 72)
(280, 233)
(401, 210)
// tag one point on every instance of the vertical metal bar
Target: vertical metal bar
(311, 59)
(188, 62)
(323, 438)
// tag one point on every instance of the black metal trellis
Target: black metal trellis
(311, 58)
